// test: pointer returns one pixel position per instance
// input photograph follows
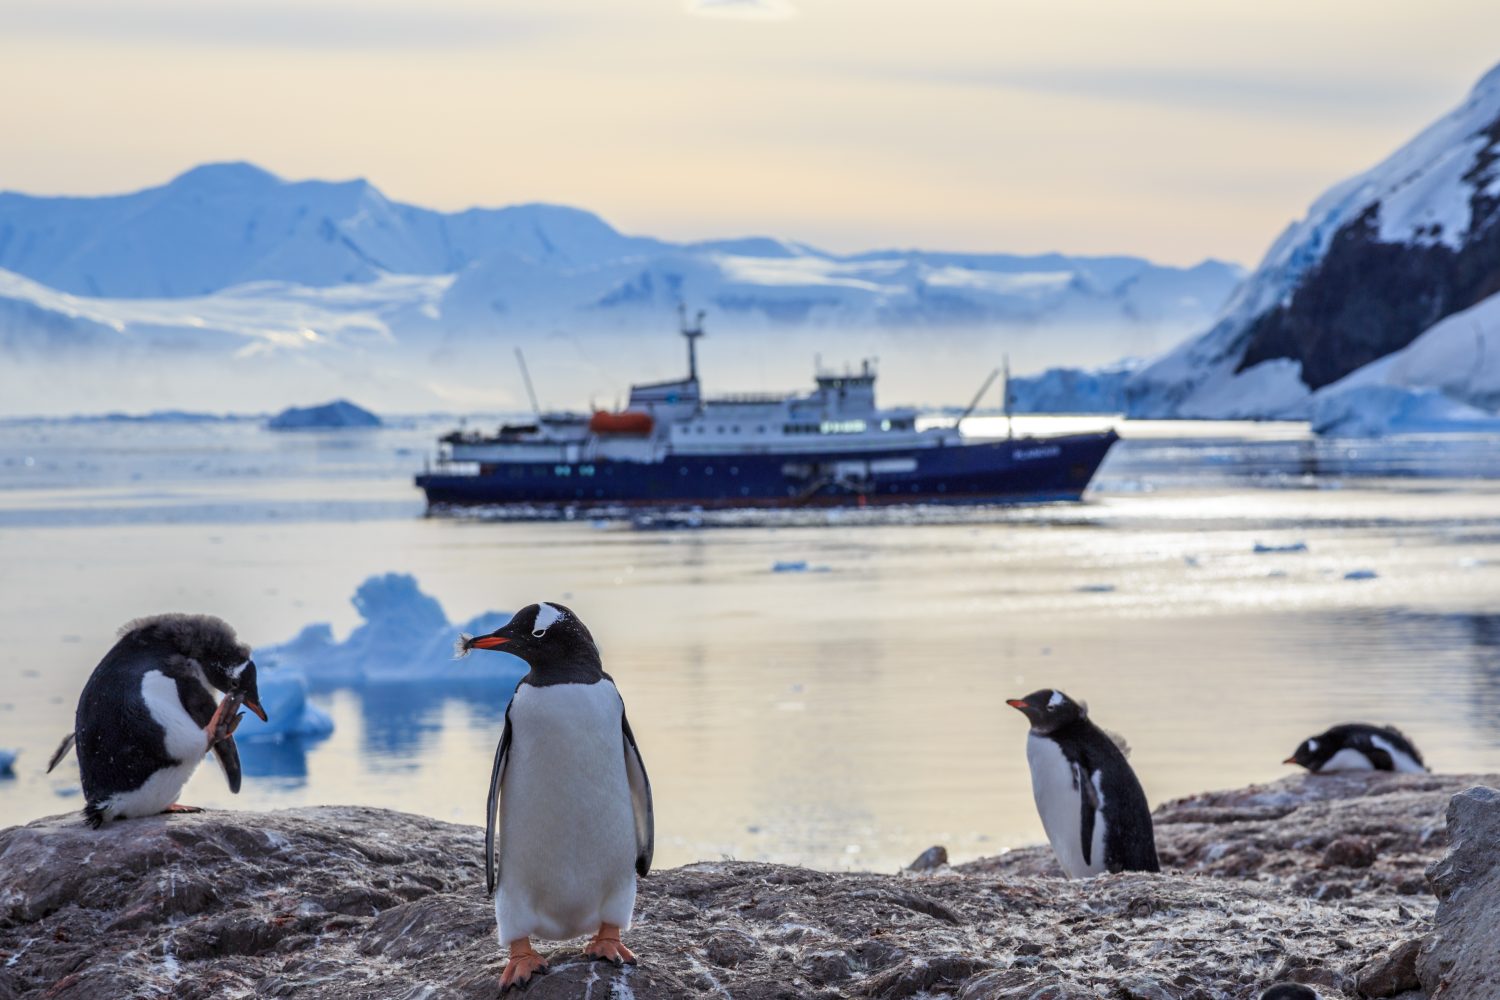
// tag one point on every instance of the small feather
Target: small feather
(461, 646)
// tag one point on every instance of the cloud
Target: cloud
(744, 10)
(266, 24)
(1221, 90)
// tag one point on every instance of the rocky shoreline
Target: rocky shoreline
(1322, 880)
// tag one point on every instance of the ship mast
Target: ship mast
(692, 333)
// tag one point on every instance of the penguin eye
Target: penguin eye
(539, 633)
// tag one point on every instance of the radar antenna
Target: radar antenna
(692, 333)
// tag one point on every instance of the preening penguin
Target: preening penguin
(1090, 801)
(148, 714)
(569, 824)
(1357, 746)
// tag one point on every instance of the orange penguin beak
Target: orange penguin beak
(488, 642)
(1017, 703)
(254, 706)
(1290, 760)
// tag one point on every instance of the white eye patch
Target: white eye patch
(235, 672)
(546, 617)
(1312, 746)
(1057, 699)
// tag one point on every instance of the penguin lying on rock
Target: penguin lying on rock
(569, 824)
(1357, 746)
(148, 715)
(1091, 803)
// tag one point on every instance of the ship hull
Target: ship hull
(1023, 470)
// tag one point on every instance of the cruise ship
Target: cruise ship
(672, 446)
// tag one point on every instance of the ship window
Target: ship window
(719, 429)
(708, 470)
(683, 470)
(761, 429)
(842, 426)
(885, 425)
(562, 470)
(734, 470)
(585, 470)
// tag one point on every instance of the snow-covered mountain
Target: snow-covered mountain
(1379, 259)
(314, 289)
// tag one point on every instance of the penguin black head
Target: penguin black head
(1289, 991)
(549, 637)
(1314, 752)
(1049, 710)
(208, 642)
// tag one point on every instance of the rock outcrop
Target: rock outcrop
(354, 903)
(1461, 957)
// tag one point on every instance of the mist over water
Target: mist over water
(841, 718)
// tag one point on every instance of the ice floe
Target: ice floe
(405, 638)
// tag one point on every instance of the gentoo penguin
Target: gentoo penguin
(1290, 991)
(1357, 746)
(1091, 804)
(148, 715)
(569, 823)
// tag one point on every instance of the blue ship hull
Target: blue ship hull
(1019, 470)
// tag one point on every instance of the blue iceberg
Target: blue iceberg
(337, 415)
(405, 638)
(7, 763)
(283, 694)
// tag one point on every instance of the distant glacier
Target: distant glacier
(230, 288)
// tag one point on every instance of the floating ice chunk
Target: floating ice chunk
(405, 638)
(1369, 411)
(7, 763)
(1097, 588)
(798, 566)
(338, 414)
(1261, 548)
(283, 694)
(1361, 574)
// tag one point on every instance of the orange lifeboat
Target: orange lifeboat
(628, 422)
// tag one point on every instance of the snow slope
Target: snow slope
(1378, 258)
(312, 289)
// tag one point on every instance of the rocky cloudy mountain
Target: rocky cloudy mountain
(1379, 259)
(312, 289)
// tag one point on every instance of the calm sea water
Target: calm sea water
(849, 716)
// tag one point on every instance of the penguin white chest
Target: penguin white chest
(1056, 786)
(182, 738)
(567, 829)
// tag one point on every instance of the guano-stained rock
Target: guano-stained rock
(341, 903)
(1461, 957)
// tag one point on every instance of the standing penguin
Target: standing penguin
(1357, 746)
(148, 715)
(569, 823)
(1091, 803)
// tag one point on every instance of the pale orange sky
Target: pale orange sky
(1176, 129)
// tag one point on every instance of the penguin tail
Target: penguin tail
(60, 752)
(93, 815)
(461, 647)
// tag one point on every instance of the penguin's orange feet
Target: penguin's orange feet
(178, 807)
(606, 947)
(524, 963)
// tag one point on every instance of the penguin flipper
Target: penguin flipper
(492, 811)
(640, 801)
(61, 751)
(1088, 797)
(229, 759)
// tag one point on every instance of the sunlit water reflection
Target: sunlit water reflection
(842, 718)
